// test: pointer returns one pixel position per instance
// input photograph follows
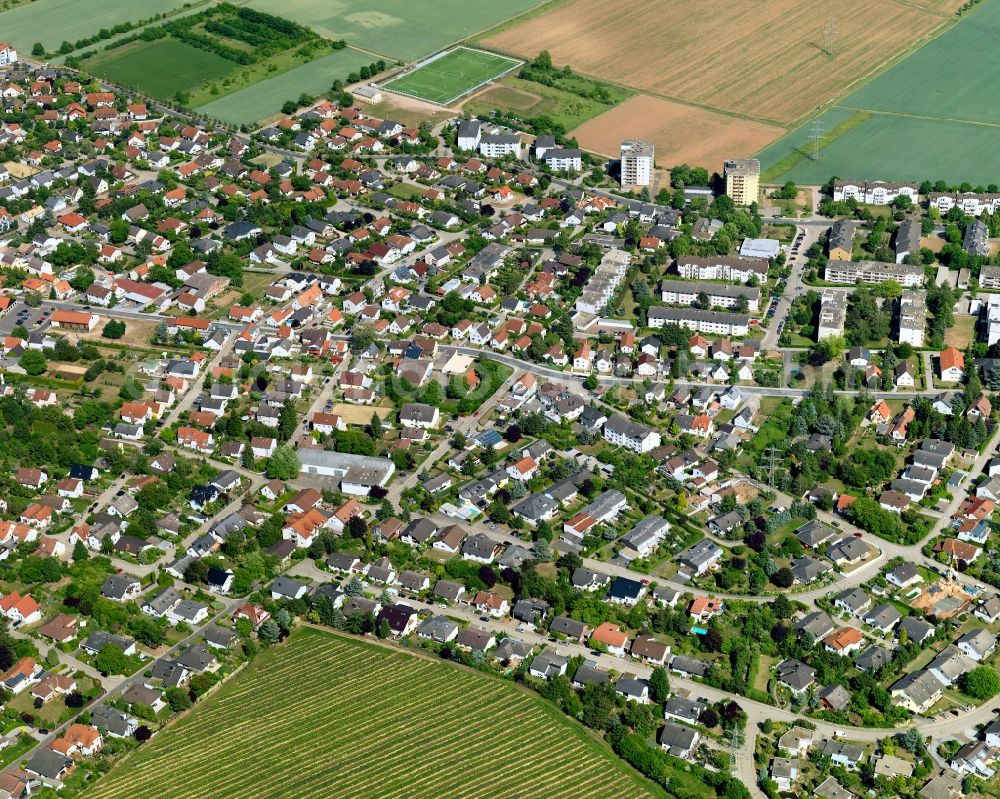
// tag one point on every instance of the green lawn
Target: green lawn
(403, 29)
(265, 98)
(914, 121)
(451, 76)
(325, 715)
(161, 68)
(53, 21)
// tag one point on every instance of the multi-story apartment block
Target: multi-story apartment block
(722, 267)
(874, 192)
(968, 202)
(563, 160)
(716, 322)
(604, 282)
(874, 272)
(912, 317)
(636, 163)
(498, 145)
(624, 432)
(743, 180)
(682, 292)
(832, 315)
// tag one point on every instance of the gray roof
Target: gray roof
(874, 657)
(796, 674)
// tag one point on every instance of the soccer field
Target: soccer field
(931, 116)
(327, 716)
(445, 79)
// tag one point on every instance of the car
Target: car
(484, 618)
(43, 730)
(955, 712)
(644, 581)
(857, 535)
(520, 628)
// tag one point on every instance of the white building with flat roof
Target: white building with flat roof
(636, 163)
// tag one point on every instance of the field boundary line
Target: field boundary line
(635, 91)
(796, 155)
(952, 120)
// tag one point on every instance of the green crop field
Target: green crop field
(453, 75)
(325, 716)
(403, 29)
(932, 115)
(265, 98)
(52, 22)
(161, 68)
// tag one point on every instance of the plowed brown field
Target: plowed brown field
(763, 58)
(682, 133)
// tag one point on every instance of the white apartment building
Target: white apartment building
(722, 267)
(874, 192)
(682, 292)
(604, 282)
(469, 133)
(623, 432)
(636, 163)
(499, 145)
(832, 315)
(716, 322)
(8, 55)
(912, 317)
(560, 159)
(850, 272)
(968, 202)
(989, 277)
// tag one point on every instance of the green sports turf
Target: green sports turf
(447, 78)
(161, 68)
(934, 115)
(265, 98)
(403, 29)
(52, 22)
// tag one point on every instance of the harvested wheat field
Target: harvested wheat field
(682, 133)
(764, 58)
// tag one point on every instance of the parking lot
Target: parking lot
(20, 315)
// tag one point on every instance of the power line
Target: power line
(831, 35)
(816, 134)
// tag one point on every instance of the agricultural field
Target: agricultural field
(526, 99)
(265, 98)
(161, 68)
(54, 21)
(914, 121)
(403, 29)
(682, 133)
(320, 715)
(451, 76)
(769, 61)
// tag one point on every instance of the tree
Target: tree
(74, 699)
(111, 660)
(33, 362)
(375, 429)
(982, 683)
(513, 433)
(709, 718)
(142, 733)
(114, 329)
(196, 572)
(178, 699)
(659, 684)
(269, 632)
(37, 49)
(783, 578)
(591, 382)
(284, 464)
